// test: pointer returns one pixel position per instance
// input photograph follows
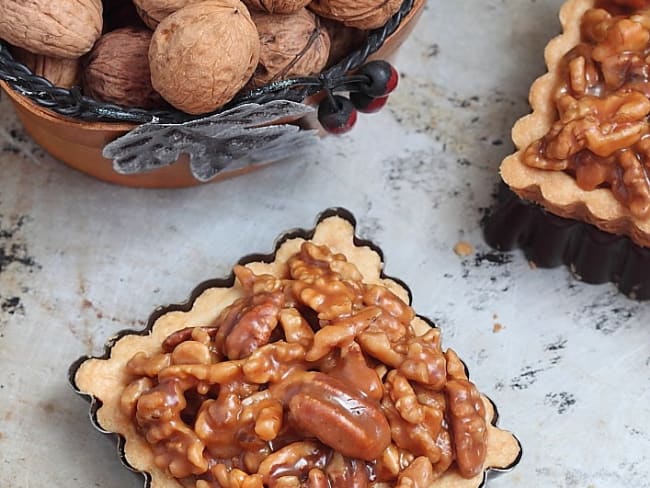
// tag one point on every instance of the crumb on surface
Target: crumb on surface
(497, 327)
(463, 249)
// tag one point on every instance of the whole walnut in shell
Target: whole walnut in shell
(290, 45)
(154, 11)
(61, 72)
(362, 14)
(59, 28)
(203, 54)
(276, 6)
(117, 69)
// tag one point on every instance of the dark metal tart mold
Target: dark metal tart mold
(95, 403)
(549, 241)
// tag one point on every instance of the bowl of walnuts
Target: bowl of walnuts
(175, 93)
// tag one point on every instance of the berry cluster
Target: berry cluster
(338, 114)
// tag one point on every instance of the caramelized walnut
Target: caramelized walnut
(352, 367)
(419, 474)
(467, 419)
(314, 379)
(248, 324)
(603, 104)
(296, 459)
(417, 422)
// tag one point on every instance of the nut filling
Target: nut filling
(602, 134)
(314, 379)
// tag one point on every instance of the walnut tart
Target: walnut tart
(305, 368)
(583, 154)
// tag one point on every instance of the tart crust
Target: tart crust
(101, 380)
(554, 190)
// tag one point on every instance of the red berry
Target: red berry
(366, 104)
(383, 78)
(336, 114)
(393, 80)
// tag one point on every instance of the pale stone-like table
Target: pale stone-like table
(80, 260)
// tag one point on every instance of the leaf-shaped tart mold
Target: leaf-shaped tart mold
(103, 380)
(548, 241)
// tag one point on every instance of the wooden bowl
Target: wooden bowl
(79, 144)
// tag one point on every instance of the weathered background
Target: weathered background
(79, 260)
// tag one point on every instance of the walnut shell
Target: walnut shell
(343, 39)
(61, 72)
(203, 54)
(60, 28)
(276, 6)
(362, 14)
(290, 45)
(153, 12)
(117, 69)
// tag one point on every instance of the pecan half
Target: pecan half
(337, 415)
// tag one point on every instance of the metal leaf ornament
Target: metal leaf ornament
(232, 139)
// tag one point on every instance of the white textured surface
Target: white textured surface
(80, 260)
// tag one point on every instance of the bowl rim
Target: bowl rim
(54, 117)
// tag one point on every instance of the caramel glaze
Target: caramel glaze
(267, 398)
(602, 135)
